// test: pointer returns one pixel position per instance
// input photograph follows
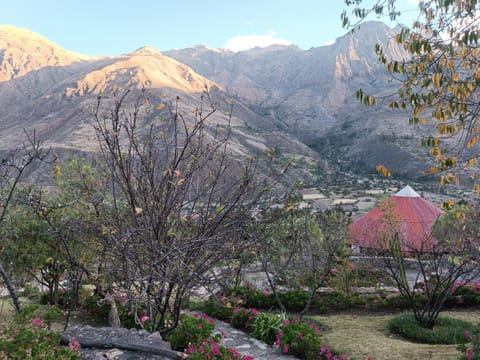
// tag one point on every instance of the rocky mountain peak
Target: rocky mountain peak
(23, 51)
(147, 50)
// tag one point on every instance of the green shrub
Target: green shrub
(97, 309)
(34, 340)
(299, 338)
(251, 297)
(243, 318)
(266, 326)
(32, 292)
(294, 300)
(217, 309)
(465, 296)
(335, 301)
(47, 313)
(191, 331)
(445, 330)
(471, 351)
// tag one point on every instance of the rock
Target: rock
(119, 344)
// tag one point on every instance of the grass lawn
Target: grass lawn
(363, 335)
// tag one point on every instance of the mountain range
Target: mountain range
(300, 103)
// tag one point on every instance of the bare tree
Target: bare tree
(13, 166)
(180, 203)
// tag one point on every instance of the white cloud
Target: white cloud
(245, 42)
(329, 42)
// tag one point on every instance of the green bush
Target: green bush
(299, 338)
(217, 309)
(294, 300)
(243, 318)
(97, 309)
(445, 330)
(34, 340)
(265, 327)
(250, 297)
(191, 331)
(336, 301)
(47, 313)
(471, 350)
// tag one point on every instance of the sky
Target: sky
(114, 27)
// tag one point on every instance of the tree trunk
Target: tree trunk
(11, 289)
(113, 317)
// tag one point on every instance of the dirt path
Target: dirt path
(362, 336)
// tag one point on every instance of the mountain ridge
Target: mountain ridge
(298, 102)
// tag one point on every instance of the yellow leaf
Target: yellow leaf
(138, 210)
(471, 162)
(160, 106)
(180, 182)
(384, 171)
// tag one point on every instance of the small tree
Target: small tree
(179, 204)
(300, 249)
(13, 167)
(426, 274)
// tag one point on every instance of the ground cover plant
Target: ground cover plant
(445, 330)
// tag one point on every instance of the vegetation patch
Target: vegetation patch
(446, 330)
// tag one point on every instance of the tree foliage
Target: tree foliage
(439, 80)
(301, 249)
(13, 167)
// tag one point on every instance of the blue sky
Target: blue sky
(112, 27)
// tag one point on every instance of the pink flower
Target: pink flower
(300, 336)
(37, 322)
(469, 354)
(285, 349)
(74, 345)
(144, 318)
(215, 350)
(190, 350)
(265, 293)
(199, 326)
(466, 334)
(247, 357)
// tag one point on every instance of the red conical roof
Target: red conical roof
(405, 213)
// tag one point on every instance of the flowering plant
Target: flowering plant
(34, 340)
(470, 351)
(212, 350)
(191, 331)
(299, 338)
(243, 318)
